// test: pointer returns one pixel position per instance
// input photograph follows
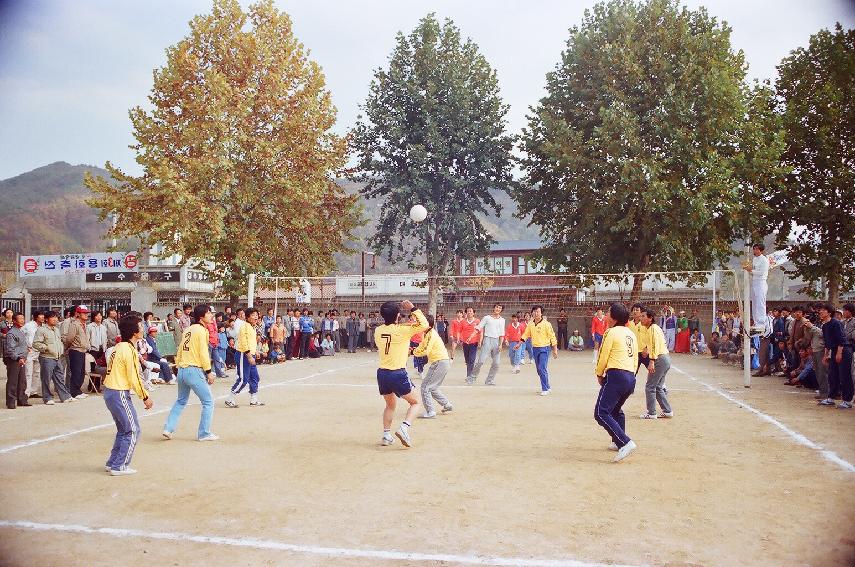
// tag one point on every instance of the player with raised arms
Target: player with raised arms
(393, 346)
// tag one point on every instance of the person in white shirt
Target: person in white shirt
(759, 269)
(34, 375)
(97, 333)
(492, 329)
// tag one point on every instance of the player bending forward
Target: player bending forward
(616, 365)
(393, 346)
(432, 347)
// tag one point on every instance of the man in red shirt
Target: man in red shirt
(469, 336)
(512, 337)
(454, 332)
(598, 329)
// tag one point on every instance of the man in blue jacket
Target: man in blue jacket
(154, 356)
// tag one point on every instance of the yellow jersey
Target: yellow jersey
(123, 370)
(193, 350)
(656, 343)
(247, 339)
(393, 341)
(619, 350)
(432, 347)
(641, 334)
(541, 334)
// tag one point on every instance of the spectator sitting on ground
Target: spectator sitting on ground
(577, 343)
(698, 344)
(715, 344)
(803, 376)
(263, 350)
(313, 349)
(328, 346)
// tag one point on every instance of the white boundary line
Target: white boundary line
(827, 454)
(533, 387)
(144, 414)
(340, 552)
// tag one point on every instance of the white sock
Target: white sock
(253, 398)
(405, 425)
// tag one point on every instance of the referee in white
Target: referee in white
(492, 329)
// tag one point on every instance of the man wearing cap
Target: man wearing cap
(155, 357)
(76, 343)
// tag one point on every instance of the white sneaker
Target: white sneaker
(122, 472)
(666, 414)
(231, 404)
(69, 400)
(107, 468)
(448, 408)
(422, 374)
(50, 403)
(613, 447)
(516, 369)
(257, 403)
(167, 434)
(403, 435)
(845, 405)
(428, 415)
(624, 451)
(648, 416)
(209, 437)
(387, 439)
(81, 397)
(544, 392)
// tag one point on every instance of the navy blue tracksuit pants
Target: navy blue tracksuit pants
(618, 385)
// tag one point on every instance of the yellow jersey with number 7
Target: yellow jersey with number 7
(393, 341)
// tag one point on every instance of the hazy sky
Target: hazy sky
(70, 70)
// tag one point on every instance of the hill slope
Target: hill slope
(51, 217)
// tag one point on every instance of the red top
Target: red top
(454, 329)
(598, 325)
(213, 339)
(513, 335)
(465, 329)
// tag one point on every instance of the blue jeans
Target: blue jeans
(515, 355)
(127, 427)
(618, 385)
(541, 361)
(192, 378)
(219, 359)
(529, 349)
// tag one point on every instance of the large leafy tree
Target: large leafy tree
(649, 151)
(816, 86)
(433, 134)
(237, 154)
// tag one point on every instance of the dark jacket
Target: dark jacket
(15, 346)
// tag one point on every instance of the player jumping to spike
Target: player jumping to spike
(393, 346)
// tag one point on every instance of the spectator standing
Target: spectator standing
(15, 352)
(96, 332)
(48, 343)
(268, 321)
(76, 342)
(561, 323)
(32, 368)
(513, 334)
(307, 329)
(184, 320)
(598, 330)
(441, 329)
(219, 361)
(838, 358)
(352, 326)
(363, 331)
(670, 328)
(111, 325)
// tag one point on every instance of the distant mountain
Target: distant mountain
(50, 216)
(44, 213)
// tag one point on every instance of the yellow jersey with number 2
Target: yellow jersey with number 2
(193, 350)
(393, 341)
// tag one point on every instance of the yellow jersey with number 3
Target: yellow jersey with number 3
(193, 350)
(393, 341)
(619, 350)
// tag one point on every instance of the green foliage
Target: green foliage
(649, 151)
(237, 153)
(433, 134)
(816, 87)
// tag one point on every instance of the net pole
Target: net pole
(276, 300)
(712, 329)
(746, 322)
(250, 292)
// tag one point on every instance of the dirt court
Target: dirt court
(739, 477)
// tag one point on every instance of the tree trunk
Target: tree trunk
(833, 288)
(638, 280)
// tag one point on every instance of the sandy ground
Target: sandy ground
(508, 478)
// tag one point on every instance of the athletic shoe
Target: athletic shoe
(826, 402)
(209, 437)
(69, 400)
(231, 404)
(403, 435)
(122, 472)
(81, 396)
(387, 439)
(845, 405)
(35, 395)
(613, 447)
(428, 415)
(516, 369)
(469, 382)
(648, 416)
(448, 408)
(624, 451)
(489, 383)
(257, 403)
(50, 403)
(544, 392)
(107, 468)
(666, 414)
(167, 434)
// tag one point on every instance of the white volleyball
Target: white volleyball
(418, 213)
